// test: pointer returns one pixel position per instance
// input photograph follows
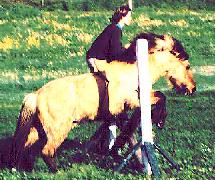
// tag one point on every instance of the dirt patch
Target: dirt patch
(204, 70)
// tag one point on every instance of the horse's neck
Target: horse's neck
(118, 70)
(158, 65)
(156, 71)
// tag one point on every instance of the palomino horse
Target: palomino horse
(47, 115)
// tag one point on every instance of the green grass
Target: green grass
(189, 132)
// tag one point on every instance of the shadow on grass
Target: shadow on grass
(70, 152)
(75, 152)
(5, 147)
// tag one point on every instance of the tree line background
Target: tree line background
(87, 5)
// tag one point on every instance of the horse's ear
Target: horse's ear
(168, 42)
(160, 44)
(165, 43)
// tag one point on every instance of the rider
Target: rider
(108, 46)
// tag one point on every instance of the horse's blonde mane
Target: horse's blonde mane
(164, 44)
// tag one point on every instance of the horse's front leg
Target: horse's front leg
(126, 134)
(99, 140)
(159, 114)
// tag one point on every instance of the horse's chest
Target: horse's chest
(121, 93)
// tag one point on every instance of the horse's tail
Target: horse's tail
(26, 118)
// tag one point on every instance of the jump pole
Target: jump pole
(145, 86)
(146, 143)
(130, 4)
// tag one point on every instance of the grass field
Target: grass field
(37, 46)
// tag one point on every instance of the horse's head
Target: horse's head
(169, 58)
(178, 72)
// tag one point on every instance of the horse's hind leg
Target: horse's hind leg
(36, 141)
(56, 134)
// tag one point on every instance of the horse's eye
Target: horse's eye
(172, 52)
(187, 67)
